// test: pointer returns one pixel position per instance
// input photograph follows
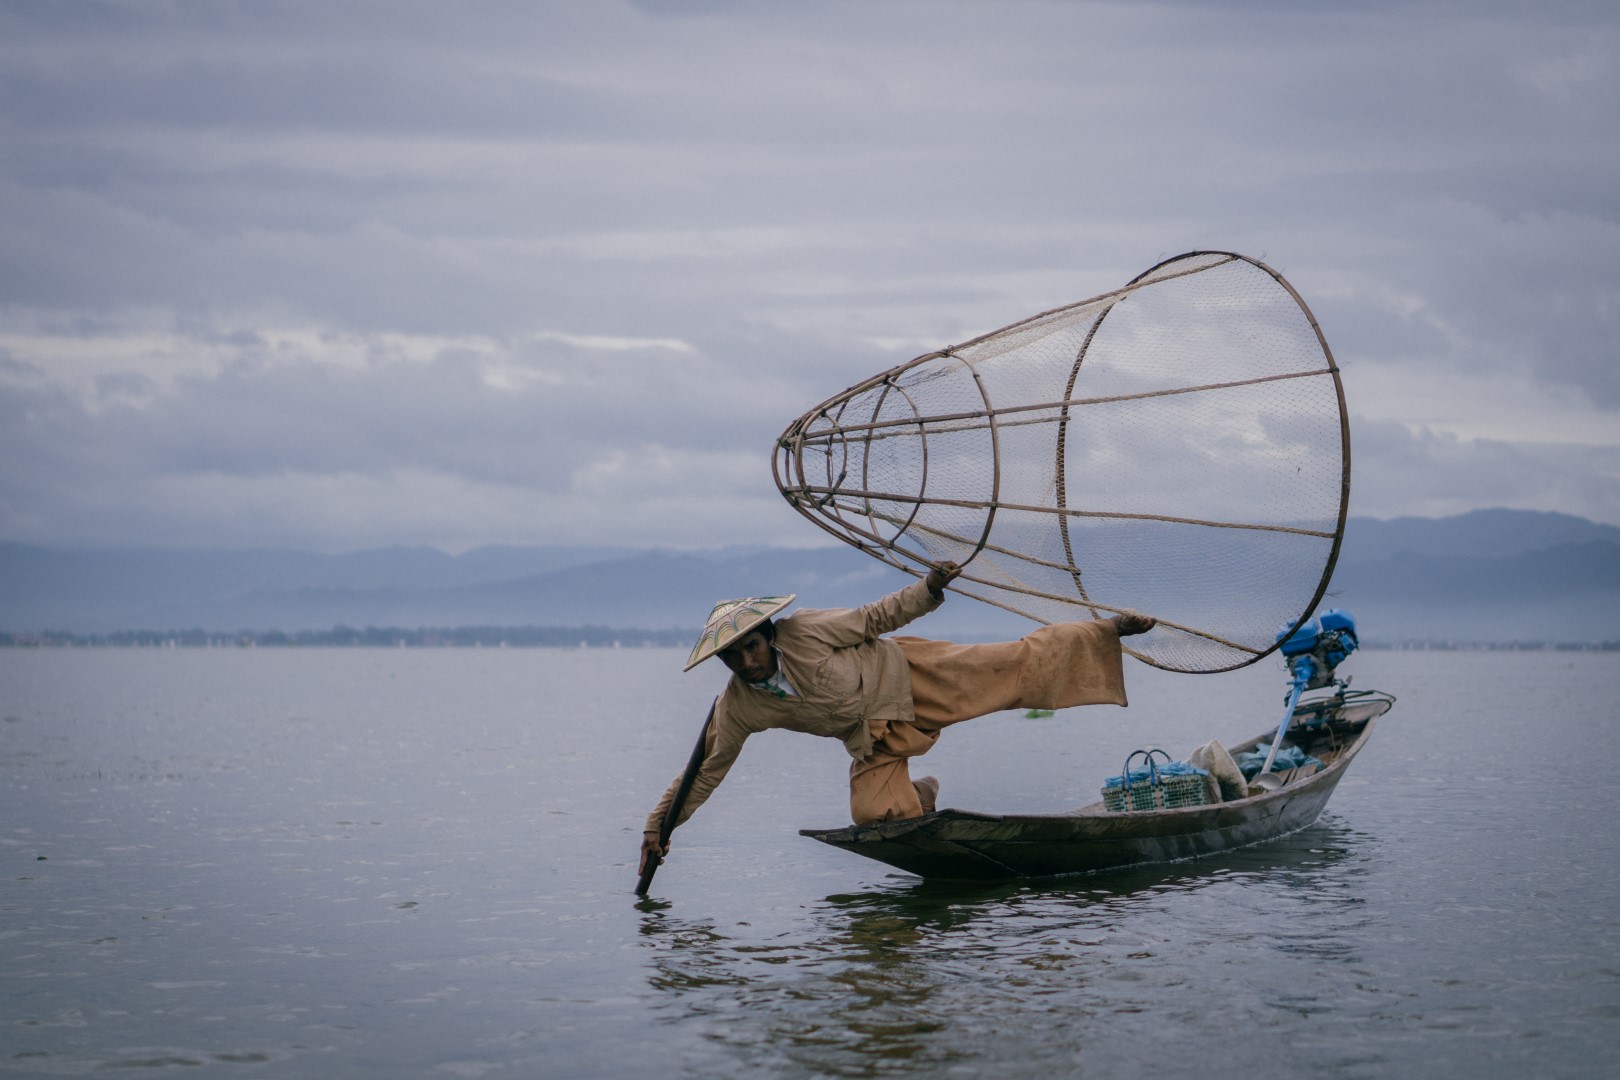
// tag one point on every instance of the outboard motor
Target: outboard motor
(1313, 652)
(1318, 647)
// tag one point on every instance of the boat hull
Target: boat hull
(966, 845)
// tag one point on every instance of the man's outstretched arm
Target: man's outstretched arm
(722, 744)
(902, 606)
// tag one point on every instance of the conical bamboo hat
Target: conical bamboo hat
(730, 620)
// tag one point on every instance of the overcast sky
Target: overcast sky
(334, 275)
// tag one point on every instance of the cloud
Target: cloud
(345, 439)
(319, 270)
(1401, 471)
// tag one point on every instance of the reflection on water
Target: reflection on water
(919, 976)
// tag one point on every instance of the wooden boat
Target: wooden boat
(963, 844)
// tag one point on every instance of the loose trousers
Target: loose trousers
(1056, 667)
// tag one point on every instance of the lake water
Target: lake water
(397, 863)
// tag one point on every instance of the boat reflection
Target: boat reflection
(914, 975)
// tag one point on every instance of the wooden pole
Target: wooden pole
(682, 790)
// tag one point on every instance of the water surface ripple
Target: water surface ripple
(384, 863)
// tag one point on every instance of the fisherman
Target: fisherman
(832, 673)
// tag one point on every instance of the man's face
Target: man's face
(750, 657)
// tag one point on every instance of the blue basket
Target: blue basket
(1149, 787)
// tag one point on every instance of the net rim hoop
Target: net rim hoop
(789, 449)
(1344, 425)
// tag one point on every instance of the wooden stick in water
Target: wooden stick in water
(682, 790)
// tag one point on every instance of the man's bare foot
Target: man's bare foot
(1130, 623)
(927, 792)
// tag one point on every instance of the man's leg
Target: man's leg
(1055, 667)
(881, 788)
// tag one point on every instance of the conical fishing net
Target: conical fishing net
(1178, 447)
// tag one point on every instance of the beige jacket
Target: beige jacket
(844, 672)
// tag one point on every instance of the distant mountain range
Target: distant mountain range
(1485, 576)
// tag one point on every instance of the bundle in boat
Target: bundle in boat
(1177, 447)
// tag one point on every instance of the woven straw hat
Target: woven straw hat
(730, 620)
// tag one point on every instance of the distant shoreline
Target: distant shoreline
(472, 637)
(563, 637)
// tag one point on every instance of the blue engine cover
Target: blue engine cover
(1338, 619)
(1303, 640)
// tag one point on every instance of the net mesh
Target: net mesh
(1178, 447)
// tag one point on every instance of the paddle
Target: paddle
(673, 814)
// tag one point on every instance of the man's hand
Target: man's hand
(941, 576)
(1129, 623)
(651, 849)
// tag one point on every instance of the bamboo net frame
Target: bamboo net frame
(1179, 446)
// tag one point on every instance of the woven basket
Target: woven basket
(1156, 792)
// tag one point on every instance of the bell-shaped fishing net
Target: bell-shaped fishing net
(1178, 447)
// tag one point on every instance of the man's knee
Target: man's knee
(869, 807)
(884, 793)
(863, 815)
